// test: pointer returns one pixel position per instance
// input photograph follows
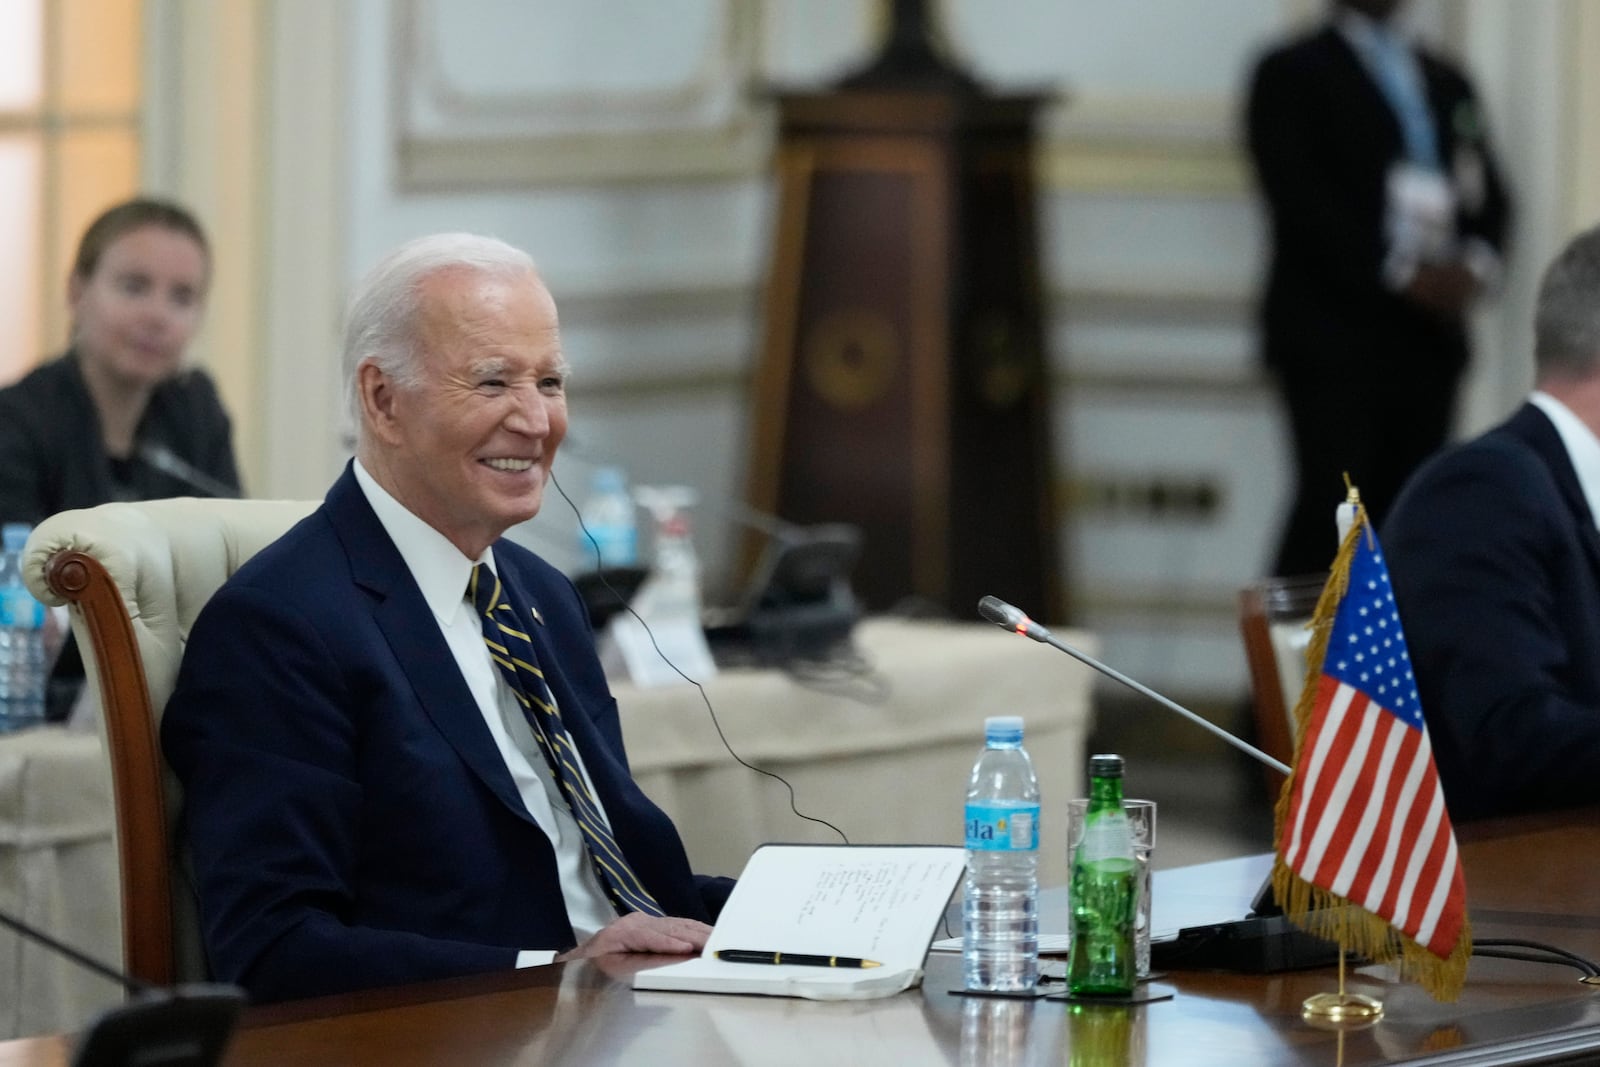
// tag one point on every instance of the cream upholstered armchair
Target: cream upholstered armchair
(135, 575)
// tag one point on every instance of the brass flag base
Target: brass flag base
(1341, 1008)
(1344, 1008)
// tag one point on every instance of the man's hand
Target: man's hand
(1443, 288)
(636, 932)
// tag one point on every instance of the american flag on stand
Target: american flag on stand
(1362, 820)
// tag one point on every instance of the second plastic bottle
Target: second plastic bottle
(23, 663)
(609, 536)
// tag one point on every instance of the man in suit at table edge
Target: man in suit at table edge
(1388, 220)
(379, 786)
(1494, 553)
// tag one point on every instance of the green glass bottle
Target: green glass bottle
(1104, 889)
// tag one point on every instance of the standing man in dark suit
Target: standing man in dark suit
(399, 756)
(1494, 553)
(1388, 219)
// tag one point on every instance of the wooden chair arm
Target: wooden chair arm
(135, 755)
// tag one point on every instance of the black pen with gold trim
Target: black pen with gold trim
(801, 959)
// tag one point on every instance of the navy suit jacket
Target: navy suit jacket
(350, 820)
(1495, 561)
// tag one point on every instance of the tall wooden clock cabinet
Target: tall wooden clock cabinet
(902, 383)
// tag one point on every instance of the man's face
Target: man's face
(468, 447)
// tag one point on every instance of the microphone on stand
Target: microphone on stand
(1007, 617)
(1265, 943)
(186, 1026)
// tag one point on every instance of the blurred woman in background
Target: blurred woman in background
(118, 416)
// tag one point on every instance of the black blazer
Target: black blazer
(52, 455)
(1323, 138)
(1495, 561)
(351, 822)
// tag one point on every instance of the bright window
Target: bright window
(69, 147)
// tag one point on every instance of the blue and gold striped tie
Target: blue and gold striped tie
(513, 654)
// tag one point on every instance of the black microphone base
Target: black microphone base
(1264, 945)
(186, 1027)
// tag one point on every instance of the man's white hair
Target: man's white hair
(382, 319)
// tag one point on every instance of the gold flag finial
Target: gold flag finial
(1352, 495)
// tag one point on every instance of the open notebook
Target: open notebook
(872, 902)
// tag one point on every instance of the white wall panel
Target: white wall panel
(1171, 49)
(518, 68)
(1175, 240)
(1183, 345)
(813, 43)
(1229, 438)
(612, 357)
(573, 55)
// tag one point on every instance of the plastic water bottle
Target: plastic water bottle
(23, 674)
(608, 516)
(1001, 905)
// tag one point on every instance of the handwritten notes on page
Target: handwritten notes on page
(875, 902)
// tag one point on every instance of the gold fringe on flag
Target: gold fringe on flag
(1317, 910)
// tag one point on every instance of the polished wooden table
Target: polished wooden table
(1534, 878)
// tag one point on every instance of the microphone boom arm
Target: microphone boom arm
(1014, 619)
(22, 929)
(173, 465)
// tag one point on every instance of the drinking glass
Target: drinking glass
(1142, 826)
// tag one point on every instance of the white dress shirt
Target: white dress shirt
(1581, 445)
(442, 573)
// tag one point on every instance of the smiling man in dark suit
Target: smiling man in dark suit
(1494, 553)
(399, 755)
(1388, 218)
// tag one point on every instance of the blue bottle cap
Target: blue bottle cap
(608, 480)
(14, 535)
(1003, 728)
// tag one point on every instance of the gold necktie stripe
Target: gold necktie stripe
(513, 655)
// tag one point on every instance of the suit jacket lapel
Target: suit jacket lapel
(406, 621)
